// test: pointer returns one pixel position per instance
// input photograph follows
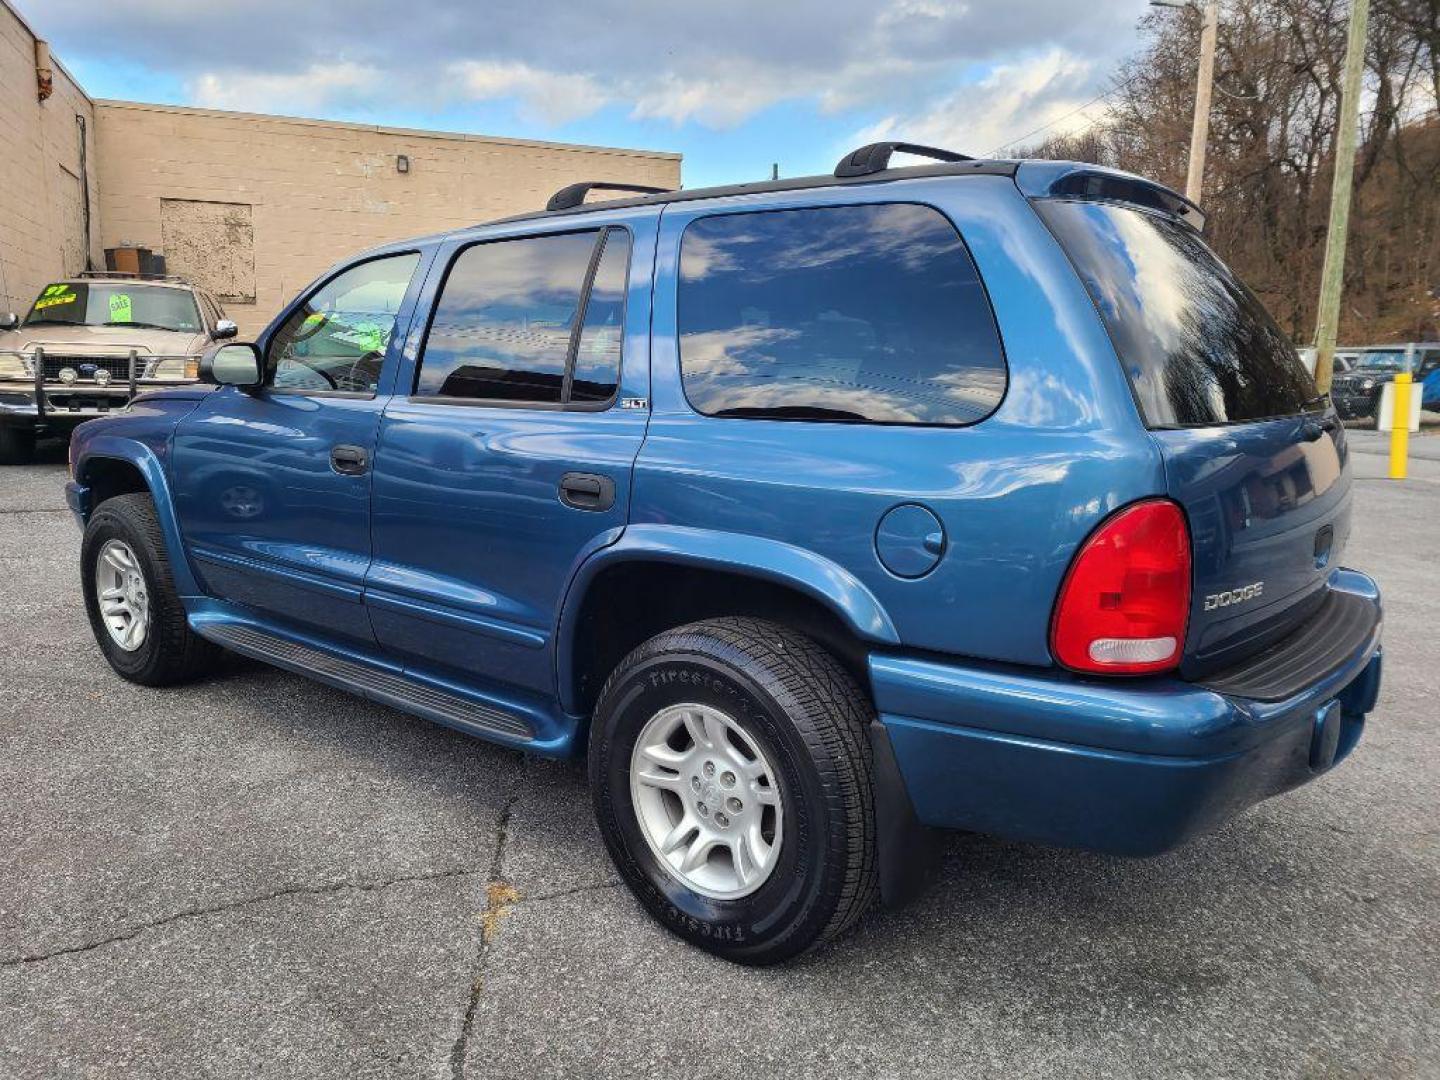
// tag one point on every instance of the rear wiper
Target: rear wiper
(51, 322)
(1318, 399)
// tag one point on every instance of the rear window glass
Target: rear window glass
(853, 313)
(1197, 345)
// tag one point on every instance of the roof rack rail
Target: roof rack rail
(567, 198)
(876, 157)
(132, 275)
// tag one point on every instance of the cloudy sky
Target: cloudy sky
(734, 86)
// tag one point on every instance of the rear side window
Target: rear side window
(597, 355)
(868, 313)
(1197, 345)
(535, 321)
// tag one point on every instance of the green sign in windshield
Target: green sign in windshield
(121, 309)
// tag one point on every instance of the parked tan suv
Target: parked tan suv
(70, 359)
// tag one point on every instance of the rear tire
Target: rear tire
(789, 730)
(125, 550)
(17, 445)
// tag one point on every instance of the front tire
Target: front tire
(135, 612)
(732, 780)
(17, 445)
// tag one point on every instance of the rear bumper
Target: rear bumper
(1129, 768)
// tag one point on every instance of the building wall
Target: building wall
(42, 232)
(255, 207)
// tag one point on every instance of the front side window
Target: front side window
(146, 307)
(536, 320)
(870, 313)
(1197, 345)
(337, 339)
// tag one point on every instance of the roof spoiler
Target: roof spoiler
(567, 198)
(1075, 180)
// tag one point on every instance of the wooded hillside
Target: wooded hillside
(1278, 72)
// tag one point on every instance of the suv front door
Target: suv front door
(272, 485)
(505, 458)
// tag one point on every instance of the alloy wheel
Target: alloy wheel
(707, 800)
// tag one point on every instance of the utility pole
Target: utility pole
(1200, 130)
(1200, 127)
(1332, 277)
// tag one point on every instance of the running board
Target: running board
(382, 685)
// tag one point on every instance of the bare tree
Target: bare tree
(1270, 161)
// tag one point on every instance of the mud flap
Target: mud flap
(908, 851)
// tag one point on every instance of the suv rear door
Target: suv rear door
(505, 456)
(1251, 451)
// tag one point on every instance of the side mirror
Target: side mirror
(231, 365)
(9, 321)
(224, 330)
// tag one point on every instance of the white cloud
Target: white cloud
(551, 97)
(312, 90)
(1045, 91)
(715, 65)
(717, 101)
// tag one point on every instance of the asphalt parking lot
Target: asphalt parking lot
(257, 875)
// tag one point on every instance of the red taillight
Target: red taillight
(1123, 606)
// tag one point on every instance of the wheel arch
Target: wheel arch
(112, 465)
(688, 574)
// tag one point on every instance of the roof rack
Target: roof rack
(132, 275)
(968, 166)
(567, 198)
(876, 157)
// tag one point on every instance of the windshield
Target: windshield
(1382, 361)
(96, 304)
(1197, 345)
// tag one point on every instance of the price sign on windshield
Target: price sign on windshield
(121, 310)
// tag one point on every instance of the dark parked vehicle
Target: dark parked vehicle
(820, 512)
(1356, 391)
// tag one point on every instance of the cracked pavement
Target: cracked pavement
(257, 875)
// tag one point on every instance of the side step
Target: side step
(386, 686)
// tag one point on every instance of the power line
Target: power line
(1061, 119)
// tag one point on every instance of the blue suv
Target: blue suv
(819, 513)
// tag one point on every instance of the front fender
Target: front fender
(754, 556)
(148, 463)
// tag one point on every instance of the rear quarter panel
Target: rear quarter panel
(1016, 493)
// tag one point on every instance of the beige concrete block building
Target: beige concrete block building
(42, 180)
(252, 207)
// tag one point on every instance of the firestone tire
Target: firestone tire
(169, 651)
(798, 711)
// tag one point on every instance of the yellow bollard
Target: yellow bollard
(1400, 426)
